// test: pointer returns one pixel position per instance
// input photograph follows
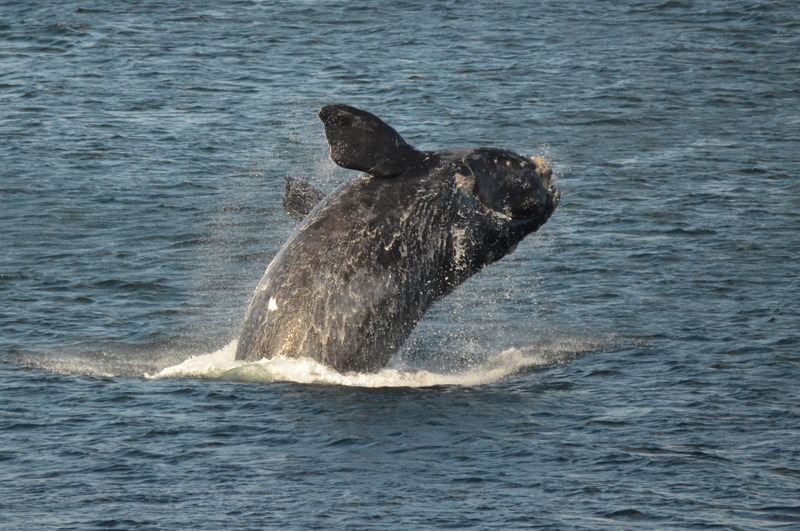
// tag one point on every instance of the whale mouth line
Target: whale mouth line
(544, 210)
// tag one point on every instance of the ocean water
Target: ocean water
(633, 365)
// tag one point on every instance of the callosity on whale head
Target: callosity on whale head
(368, 259)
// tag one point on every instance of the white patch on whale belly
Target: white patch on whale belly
(273, 305)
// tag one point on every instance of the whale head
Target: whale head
(511, 185)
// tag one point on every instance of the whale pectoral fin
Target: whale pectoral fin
(300, 198)
(362, 141)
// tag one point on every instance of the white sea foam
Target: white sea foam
(223, 365)
(206, 365)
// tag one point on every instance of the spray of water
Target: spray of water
(222, 365)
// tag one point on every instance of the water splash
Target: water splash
(222, 364)
(473, 367)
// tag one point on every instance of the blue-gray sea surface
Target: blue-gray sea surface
(633, 365)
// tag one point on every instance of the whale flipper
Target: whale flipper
(362, 141)
(300, 198)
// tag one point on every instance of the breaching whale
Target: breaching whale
(351, 283)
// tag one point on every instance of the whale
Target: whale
(368, 260)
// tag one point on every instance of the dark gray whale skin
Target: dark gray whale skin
(351, 283)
